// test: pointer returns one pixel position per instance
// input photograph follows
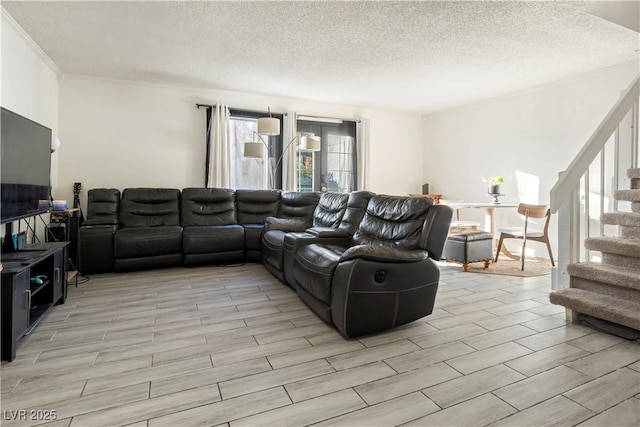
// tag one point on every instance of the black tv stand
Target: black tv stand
(25, 303)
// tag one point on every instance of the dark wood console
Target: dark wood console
(25, 302)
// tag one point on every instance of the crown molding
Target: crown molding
(7, 19)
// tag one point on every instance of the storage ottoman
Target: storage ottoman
(469, 246)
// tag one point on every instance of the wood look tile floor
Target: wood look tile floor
(232, 346)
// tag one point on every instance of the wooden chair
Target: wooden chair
(524, 233)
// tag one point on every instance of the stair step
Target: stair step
(633, 173)
(616, 310)
(627, 232)
(614, 245)
(631, 219)
(627, 195)
(605, 273)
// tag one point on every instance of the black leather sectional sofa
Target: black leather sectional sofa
(361, 261)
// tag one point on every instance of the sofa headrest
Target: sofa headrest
(356, 206)
(107, 195)
(330, 209)
(298, 204)
(257, 196)
(208, 206)
(103, 204)
(150, 207)
(254, 206)
(393, 221)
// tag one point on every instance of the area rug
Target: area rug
(507, 267)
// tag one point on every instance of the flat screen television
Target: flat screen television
(25, 167)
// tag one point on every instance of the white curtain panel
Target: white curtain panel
(362, 144)
(289, 130)
(220, 150)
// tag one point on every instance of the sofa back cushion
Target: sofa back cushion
(298, 205)
(254, 206)
(356, 207)
(330, 210)
(393, 221)
(102, 206)
(208, 206)
(150, 207)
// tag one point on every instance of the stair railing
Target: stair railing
(571, 195)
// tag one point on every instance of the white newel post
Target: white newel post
(568, 239)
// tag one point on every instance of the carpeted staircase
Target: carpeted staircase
(610, 290)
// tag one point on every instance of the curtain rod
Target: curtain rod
(298, 116)
(243, 109)
(324, 119)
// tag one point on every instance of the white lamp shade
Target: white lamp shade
(253, 149)
(55, 143)
(310, 143)
(268, 126)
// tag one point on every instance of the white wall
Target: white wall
(29, 82)
(534, 133)
(29, 78)
(123, 134)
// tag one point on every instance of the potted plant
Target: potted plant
(494, 183)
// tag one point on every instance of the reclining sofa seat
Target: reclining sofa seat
(298, 211)
(382, 277)
(150, 235)
(95, 236)
(254, 206)
(331, 225)
(210, 231)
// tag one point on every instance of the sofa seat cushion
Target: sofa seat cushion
(138, 242)
(272, 248)
(212, 239)
(314, 269)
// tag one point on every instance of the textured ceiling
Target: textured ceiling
(413, 56)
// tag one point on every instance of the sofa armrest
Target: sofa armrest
(285, 224)
(293, 242)
(327, 232)
(383, 254)
(95, 248)
(296, 240)
(435, 230)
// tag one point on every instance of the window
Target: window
(331, 169)
(305, 170)
(249, 172)
(334, 167)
